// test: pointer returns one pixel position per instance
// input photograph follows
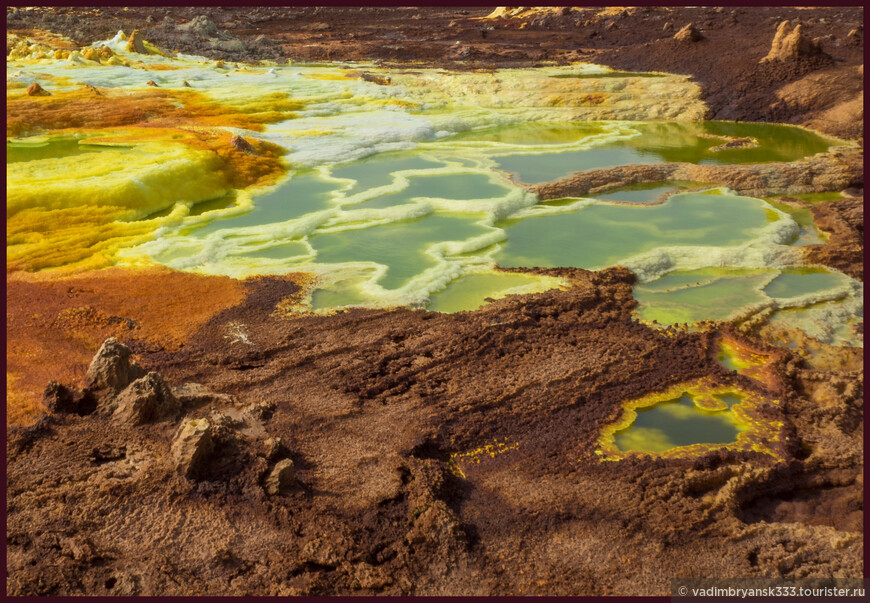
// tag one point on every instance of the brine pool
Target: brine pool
(681, 422)
(427, 227)
(410, 194)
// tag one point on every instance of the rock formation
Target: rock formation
(57, 398)
(136, 43)
(281, 478)
(241, 144)
(843, 220)
(146, 399)
(688, 34)
(791, 44)
(192, 446)
(35, 89)
(112, 370)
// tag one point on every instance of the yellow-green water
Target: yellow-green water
(672, 142)
(689, 296)
(796, 282)
(602, 235)
(49, 149)
(404, 249)
(397, 195)
(708, 294)
(644, 192)
(470, 291)
(679, 422)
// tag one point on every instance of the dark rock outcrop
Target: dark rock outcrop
(35, 89)
(688, 34)
(192, 447)
(146, 399)
(111, 370)
(242, 144)
(59, 399)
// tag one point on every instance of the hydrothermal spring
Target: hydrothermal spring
(409, 194)
(679, 422)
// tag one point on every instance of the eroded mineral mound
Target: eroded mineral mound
(790, 44)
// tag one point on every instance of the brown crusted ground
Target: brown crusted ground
(825, 91)
(843, 220)
(370, 422)
(54, 324)
(823, 172)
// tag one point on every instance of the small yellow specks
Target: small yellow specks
(474, 456)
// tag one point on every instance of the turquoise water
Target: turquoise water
(399, 246)
(792, 283)
(453, 186)
(301, 195)
(678, 423)
(601, 235)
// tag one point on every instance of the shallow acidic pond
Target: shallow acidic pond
(302, 195)
(399, 194)
(404, 249)
(645, 192)
(601, 235)
(470, 291)
(797, 282)
(680, 422)
(56, 148)
(688, 296)
(706, 294)
(699, 143)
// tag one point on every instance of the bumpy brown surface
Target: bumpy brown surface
(370, 422)
(824, 91)
(824, 172)
(53, 325)
(843, 220)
